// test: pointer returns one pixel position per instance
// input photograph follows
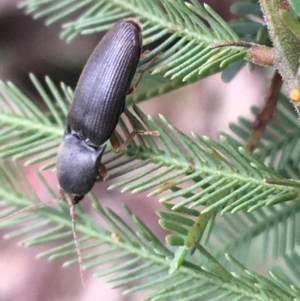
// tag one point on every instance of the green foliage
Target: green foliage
(296, 6)
(249, 27)
(292, 23)
(171, 158)
(279, 146)
(145, 260)
(183, 27)
(213, 193)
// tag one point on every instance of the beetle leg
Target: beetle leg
(103, 173)
(116, 143)
(144, 54)
(133, 88)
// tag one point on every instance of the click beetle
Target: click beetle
(99, 101)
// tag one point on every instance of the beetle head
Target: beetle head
(78, 164)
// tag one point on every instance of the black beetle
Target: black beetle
(99, 101)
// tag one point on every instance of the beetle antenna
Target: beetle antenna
(30, 208)
(77, 245)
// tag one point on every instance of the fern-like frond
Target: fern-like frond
(279, 147)
(286, 267)
(25, 129)
(277, 224)
(189, 172)
(218, 169)
(133, 257)
(182, 26)
(248, 27)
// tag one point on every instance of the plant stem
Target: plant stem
(287, 48)
(258, 54)
(265, 115)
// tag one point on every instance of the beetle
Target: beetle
(99, 100)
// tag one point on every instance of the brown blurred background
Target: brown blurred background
(27, 45)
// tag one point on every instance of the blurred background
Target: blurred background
(27, 45)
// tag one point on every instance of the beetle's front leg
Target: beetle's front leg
(134, 87)
(103, 173)
(116, 143)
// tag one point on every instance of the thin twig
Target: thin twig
(230, 44)
(265, 115)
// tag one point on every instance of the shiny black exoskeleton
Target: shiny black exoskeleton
(99, 101)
